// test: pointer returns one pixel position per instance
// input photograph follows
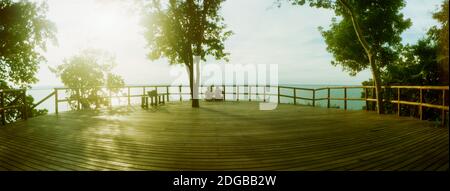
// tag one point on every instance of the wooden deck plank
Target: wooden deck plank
(356, 152)
(388, 156)
(439, 162)
(426, 157)
(396, 152)
(417, 154)
(223, 136)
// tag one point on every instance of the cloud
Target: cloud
(420, 12)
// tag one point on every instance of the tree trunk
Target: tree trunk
(195, 102)
(368, 50)
(377, 84)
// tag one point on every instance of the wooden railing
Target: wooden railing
(443, 106)
(420, 103)
(166, 90)
(16, 101)
(254, 93)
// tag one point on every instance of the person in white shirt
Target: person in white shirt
(218, 94)
(209, 94)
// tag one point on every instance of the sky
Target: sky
(263, 34)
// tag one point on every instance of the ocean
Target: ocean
(334, 93)
(41, 92)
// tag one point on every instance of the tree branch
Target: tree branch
(357, 28)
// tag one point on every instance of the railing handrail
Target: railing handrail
(295, 96)
(395, 87)
(42, 100)
(172, 86)
(249, 86)
(279, 94)
(281, 86)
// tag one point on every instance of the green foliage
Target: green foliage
(440, 35)
(183, 28)
(365, 35)
(86, 74)
(24, 31)
(114, 82)
(326, 4)
(418, 64)
(382, 35)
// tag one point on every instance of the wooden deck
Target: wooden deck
(223, 136)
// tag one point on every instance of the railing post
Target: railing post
(249, 93)
(157, 98)
(56, 101)
(25, 105)
(314, 98)
(279, 101)
(110, 98)
(181, 95)
(264, 93)
(366, 96)
(2, 107)
(374, 96)
(328, 98)
(129, 98)
(420, 106)
(167, 91)
(257, 92)
(237, 92)
(398, 101)
(200, 91)
(443, 110)
(224, 92)
(295, 96)
(345, 98)
(78, 99)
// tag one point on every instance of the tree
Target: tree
(86, 74)
(365, 36)
(419, 64)
(440, 35)
(24, 31)
(182, 29)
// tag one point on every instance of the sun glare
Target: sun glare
(109, 26)
(105, 20)
(106, 24)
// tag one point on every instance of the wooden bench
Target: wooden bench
(213, 97)
(154, 98)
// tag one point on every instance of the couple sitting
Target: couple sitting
(216, 95)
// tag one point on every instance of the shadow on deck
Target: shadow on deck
(223, 136)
